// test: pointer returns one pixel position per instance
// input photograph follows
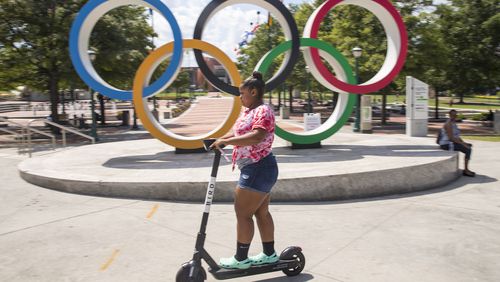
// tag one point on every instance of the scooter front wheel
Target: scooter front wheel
(183, 274)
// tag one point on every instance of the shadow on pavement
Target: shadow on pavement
(299, 278)
(329, 153)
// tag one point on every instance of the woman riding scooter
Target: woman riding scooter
(252, 138)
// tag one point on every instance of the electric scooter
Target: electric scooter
(291, 261)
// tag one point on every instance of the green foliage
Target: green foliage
(267, 38)
(453, 46)
(34, 43)
(350, 26)
(123, 40)
(481, 117)
(182, 82)
(470, 30)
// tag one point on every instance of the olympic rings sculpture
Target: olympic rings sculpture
(313, 50)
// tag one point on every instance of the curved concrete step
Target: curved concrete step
(348, 166)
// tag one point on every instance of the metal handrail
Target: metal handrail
(39, 131)
(21, 135)
(27, 129)
(10, 131)
(64, 129)
(16, 134)
(13, 122)
(28, 134)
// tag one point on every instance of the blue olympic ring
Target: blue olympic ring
(84, 67)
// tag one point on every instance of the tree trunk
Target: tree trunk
(461, 97)
(335, 99)
(436, 106)
(73, 94)
(290, 97)
(103, 109)
(54, 101)
(54, 98)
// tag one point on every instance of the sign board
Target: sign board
(164, 115)
(417, 93)
(312, 121)
(366, 114)
(366, 108)
(417, 113)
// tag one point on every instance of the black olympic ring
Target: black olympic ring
(287, 66)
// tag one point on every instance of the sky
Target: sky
(224, 30)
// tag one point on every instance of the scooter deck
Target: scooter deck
(227, 273)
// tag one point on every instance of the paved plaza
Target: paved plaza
(446, 234)
(102, 124)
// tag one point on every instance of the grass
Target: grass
(489, 138)
(444, 102)
(432, 103)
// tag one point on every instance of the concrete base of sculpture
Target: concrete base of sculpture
(348, 166)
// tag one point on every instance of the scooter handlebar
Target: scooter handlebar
(208, 142)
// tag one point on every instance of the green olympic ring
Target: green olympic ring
(346, 101)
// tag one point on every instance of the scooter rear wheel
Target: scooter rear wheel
(300, 258)
(183, 274)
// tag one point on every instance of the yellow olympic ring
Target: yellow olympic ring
(143, 77)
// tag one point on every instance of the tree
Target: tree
(269, 36)
(453, 46)
(181, 82)
(470, 32)
(34, 45)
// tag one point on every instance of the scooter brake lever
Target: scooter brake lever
(208, 142)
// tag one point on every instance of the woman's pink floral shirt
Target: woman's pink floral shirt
(250, 119)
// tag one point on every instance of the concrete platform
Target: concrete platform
(348, 166)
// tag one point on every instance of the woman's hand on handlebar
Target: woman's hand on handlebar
(219, 144)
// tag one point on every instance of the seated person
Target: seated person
(449, 139)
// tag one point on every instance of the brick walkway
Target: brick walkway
(204, 116)
(208, 113)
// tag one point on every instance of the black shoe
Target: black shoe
(468, 173)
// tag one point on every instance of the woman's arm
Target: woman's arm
(449, 132)
(228, 135)
(253, 137)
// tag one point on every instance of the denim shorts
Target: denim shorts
(260, 176)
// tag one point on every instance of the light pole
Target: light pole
(93, 132)
(309, 105)
(357, 52)
(192, 87)
(155, 104)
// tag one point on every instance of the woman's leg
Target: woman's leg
(266, 227)
(265, 221)
(246, 203)
(467, 151)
